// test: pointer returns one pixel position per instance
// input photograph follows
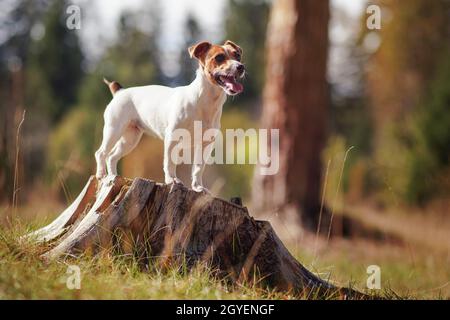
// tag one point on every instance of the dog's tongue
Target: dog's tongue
(233, 85)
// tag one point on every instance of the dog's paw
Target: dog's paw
(178, 181)
(100, 175)
(173, 181)
(200, 188)
(109, 179)
(106, 180)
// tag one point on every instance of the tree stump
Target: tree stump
(164, 224)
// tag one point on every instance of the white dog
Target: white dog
(159, 110)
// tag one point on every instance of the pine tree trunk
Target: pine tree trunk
(166, 224)
(296, 102)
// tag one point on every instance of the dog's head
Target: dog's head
(221, 64)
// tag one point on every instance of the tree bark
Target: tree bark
(296, 102)
(166, 224)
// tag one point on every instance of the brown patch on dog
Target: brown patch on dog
(233, 46)
(113, 86)
(200, 50)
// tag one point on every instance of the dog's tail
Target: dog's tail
(113, 86)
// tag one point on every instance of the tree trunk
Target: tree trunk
(165, 224)
(296, 102)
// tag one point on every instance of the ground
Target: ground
(413, 266)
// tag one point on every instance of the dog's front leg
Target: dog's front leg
(170, 167)
(197, 173)
(198, 167)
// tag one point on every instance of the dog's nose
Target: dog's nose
(240, 68)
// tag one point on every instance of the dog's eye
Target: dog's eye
(220, 58)
(237, 56)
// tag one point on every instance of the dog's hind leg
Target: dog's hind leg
(129, 140)
(110, 137)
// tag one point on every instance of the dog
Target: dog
(159, 110)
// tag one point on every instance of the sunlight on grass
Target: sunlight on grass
(409, 270)
(23, 275)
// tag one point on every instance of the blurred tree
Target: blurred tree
(349, 114)
(18, 18)
(187, 64)
(246, 24)
(53, 74)
(414, 36)
(350, 117)
(54, 71)
(296, 100)
(133, 59)
(429, 156)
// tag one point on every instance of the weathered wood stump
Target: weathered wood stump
(164, 224)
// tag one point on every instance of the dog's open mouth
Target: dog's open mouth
(229, 83)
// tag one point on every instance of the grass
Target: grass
(413, 269)
(406, 272)
(23, 275)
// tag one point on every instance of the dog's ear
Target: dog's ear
(233, 45)
(199, 50)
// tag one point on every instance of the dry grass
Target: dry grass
(24, 275)
(423, 228)
(416, 268)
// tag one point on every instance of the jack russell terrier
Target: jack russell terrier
(159, 110)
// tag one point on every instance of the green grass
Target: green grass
(425, 278)
(410, 270)
(24, 275)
